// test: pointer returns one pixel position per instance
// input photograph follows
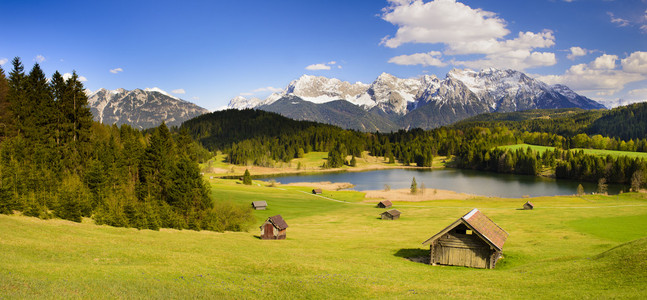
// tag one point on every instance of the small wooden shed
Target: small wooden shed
(528, 205)
(274, 228)
(316, 191)
(259, 205)
(384, 204)
(393, 214)
(472, 241)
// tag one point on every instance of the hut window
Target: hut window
(468, 232)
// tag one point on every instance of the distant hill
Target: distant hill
(625, 122)
(221, 128)
(141, 109)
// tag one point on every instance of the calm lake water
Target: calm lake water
(463, 181)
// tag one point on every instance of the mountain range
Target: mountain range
(391, 103)
(141, 108)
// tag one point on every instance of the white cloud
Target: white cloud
(638, 94)
(39, 58)
(318, 67)
(3, 61)
(440, 21)
(267, 89)
(67, 76)
(635, 63)
(425, 59)
(465, 31)
(643, 28)
(601, 77)
(262, 90)
(619, 21)
(605, 62)
(576, 52)
(117, 70)
(178, 91)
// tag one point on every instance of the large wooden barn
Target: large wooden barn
(274, 228)
(472, 241)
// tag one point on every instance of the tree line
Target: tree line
(56, 162)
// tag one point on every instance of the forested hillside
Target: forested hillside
(625, 122)
(261, 138)
(56, 162)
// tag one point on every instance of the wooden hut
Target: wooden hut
(384, 204)
(528, 205)
(259, 205)
(472, 241)
(274, 228)
(316, 191)
(393, 214)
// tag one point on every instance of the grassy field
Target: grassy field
(587, 151)
(336, 247)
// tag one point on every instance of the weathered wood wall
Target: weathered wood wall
(458, 249)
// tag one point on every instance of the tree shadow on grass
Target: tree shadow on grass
(415, 255)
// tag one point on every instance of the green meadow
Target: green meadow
(337, 247)
(598, 152)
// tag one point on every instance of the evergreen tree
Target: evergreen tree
(40, 118)
(17, 94)
(580, 190)
(414, 186)
(6, 117)
(247, 178)
(353, 161)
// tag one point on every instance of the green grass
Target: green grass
(567, 247)
(598, 152)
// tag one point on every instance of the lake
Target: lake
(463, 181)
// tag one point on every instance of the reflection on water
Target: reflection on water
(463, 181)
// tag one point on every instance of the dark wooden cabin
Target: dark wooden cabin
(274, 228)
(259, 205)
(472, 241)
(393, 214)
(384, 204)
(316, 191)
(528, 205)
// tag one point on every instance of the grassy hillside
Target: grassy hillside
(598, 152)
(336, 247)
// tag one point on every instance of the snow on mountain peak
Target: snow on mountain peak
(156, 89)
(240, 102)
(500, 90)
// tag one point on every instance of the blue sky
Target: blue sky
(208, 52)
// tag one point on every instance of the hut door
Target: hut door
(268, 231)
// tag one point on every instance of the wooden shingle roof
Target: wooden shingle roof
(481, 225)
(393, 212)
(278, 222)
(386, 203)
(259, 204)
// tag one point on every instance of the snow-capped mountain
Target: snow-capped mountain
(141, 108)
(424, 102)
